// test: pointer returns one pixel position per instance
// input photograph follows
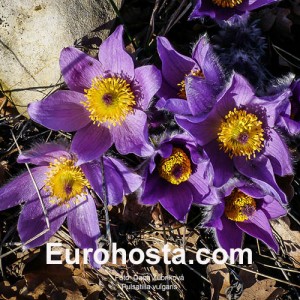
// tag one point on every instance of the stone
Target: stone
(32, 35)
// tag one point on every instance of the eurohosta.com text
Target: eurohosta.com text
(152, 256)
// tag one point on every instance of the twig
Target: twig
(105, 202)
(35, 185)
(32, 88)
(165, 242)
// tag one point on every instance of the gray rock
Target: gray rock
(32, 34)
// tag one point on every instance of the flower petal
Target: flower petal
(214, 219)
(148, 79)
(83, 226)
(91, 142)
(248, 5)
(177, 199)
(174, 65)
(114, 183)
(201, 11)
(131, 180)
(201, 186)
(208, 8)
(230, 236)
(273, 106)
(60, 111)
(21, 188)
(272, 208)
(32, 220)
(42, 154)
(78, 69)
(259, 227)
(203, 54)
(113, 56)
(165, 92)
(253, 191)
(177, 106)
(278, 153)
(221, 162)
(205, 131)
(93, 172)
(119, 180)
(201, 96)
(260, 171)
(132, 135)
(291, 126)
(212, 198)
(237, 93)
(154, 188)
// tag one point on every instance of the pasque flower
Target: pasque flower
(64, 188)
(195, 96)
(177, 176)
(224, 9)
(105, 103)
(244, 208)
(239, 134)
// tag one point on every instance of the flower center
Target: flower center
(65, 181)
(109, 100)
(241, 134)
(176, 168)
(239, 206)
(181, 85)
(227, 3)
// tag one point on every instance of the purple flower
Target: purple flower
(224, 9)
(177, 176)
(106, 101)
(244, 207)
(63, 186)
(178, 91)
(239, 134)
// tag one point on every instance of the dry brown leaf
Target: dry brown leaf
(130, 48)
(110, 268)
(220, 280)
(291, 238)
(155, 214)
(8, 291)
(84, 284)
(135, 213)
(22, 258)
(248, 278)
(6, 108)
(156, 271)
(264, 289)
(58, 281)
(192, 240)
(161, 244)
(4, 167)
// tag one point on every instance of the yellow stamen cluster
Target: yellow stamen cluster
(227, 3)
(109, 100)
(181, 85)
(239, 206)
(65, 181)
(176, 168)
(241, 134)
